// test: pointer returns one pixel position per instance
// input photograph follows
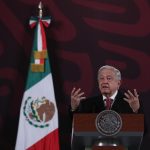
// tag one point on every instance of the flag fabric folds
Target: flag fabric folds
(38, 122)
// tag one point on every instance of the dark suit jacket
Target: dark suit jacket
(96, 105)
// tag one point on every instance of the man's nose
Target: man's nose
(106, 80)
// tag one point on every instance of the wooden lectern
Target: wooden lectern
(85, 134)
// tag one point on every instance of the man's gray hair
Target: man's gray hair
(116, 71)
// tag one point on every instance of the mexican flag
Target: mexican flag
(38, 122)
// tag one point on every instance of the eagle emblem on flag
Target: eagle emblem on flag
(38, 112)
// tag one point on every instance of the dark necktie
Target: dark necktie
(108, 103)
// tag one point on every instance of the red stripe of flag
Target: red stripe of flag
(49, 142)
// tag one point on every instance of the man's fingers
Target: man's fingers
(127, 95)
(83, 97)
(79, 97)
(127, 100)
(73, 90)
(77, 92)
(135, 93)
(76, 96)
(80, 94)
(131, 95)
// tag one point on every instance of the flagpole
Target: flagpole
(40, 6)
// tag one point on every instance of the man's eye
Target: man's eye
(109, 78)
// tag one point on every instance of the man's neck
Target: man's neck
(108, 95)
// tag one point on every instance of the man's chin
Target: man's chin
(105, 92)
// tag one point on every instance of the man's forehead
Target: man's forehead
(107, 72)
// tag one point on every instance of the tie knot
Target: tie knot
(108, 99)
